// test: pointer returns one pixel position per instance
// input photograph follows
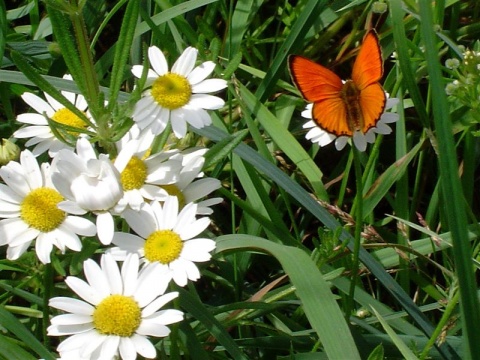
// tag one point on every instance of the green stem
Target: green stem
(47, 293)
(160, 141)
(358, 215)
(83, 46)
(451, 306)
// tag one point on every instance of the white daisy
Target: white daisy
(28, 204)
(191, 186)
(118, 311)
(322, 137)
(167, 237)
(39, 132)
(89, 184)
(179, 95)
(142, 175)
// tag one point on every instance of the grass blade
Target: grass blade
(314, 292)
(122, 50)
(13, 325)
(450, 183)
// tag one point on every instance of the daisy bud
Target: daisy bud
(379, 7)
(93, 183)
(99, 188)
(8, 151)
(452, 63)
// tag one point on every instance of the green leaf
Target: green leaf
(3, 27)
(11, 351)
(122, 50)
(309, 15)
(317, 300)
(171, 13)
(397, 15)
(452, 193)
(63, 35)
(285, 141)
(195, 308)
(385, 181)
(406, 352)
(14, 326)
(223, 148)
(241, 18)
(377, 353)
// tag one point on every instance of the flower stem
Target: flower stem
(358, 216)
(83, 46)
(47, 293)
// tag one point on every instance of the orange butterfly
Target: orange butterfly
(342, 108)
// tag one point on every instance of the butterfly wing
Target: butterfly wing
(372, 102)
(331, 116)
(368, 66)
(367, 71)
(322, 87)
(314, 81)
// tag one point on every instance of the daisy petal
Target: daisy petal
(206, 101)
(143, 346)
(186, 62)
(200, 73)
(71, 305)
(209, 86)
(127, 349)
(82, 289)
(157, 60)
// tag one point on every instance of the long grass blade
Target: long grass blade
(318, 301)
(451, 186)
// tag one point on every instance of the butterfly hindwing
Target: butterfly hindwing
(372, 103)
(314, 81)
(330, 115)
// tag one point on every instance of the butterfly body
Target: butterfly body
(350, 95)
(343, 108)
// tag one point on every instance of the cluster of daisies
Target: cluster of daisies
(159, 199)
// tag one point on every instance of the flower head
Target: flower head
(191, 186)
(38, 130)
(179, 95)
(89, 183)
(118, 311)
(360, 139)
(167, 237)
(142, 174)
(29, 206)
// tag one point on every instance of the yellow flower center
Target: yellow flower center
(66, 117)
(163, 246)
(117, 315)
(173, 190)
(171, 91)
(39, 209)
(134, 174)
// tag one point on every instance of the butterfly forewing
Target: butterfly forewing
(314, 81)
(368, 66)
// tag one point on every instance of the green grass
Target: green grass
(280, 282)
